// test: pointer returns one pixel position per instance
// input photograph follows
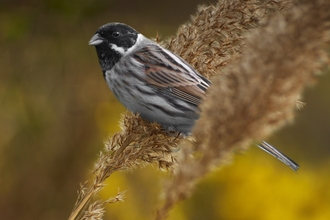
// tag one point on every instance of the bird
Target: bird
(155, 82)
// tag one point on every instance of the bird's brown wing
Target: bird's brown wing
(166, 70)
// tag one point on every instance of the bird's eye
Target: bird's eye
(115, 34)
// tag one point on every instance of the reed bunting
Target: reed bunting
(154, 82)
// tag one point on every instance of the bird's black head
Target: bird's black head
(112, 42)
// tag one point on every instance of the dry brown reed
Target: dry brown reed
(215, 34)
(256, 94)
(138, 143)
(259, 61)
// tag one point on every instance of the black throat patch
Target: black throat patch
(107, 57)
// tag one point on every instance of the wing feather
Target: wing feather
(165, 70)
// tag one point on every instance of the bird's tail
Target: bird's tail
(279, 155)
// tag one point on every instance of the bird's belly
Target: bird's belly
(153, 107)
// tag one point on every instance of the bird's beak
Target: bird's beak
(96, 40)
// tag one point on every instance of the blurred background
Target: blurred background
(56, 110)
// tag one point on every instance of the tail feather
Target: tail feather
(279, 155)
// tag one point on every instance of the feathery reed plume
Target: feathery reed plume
(96, 211)
(138, 143)
(215, 34)
(258, 93)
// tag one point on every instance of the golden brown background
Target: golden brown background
(56, 111)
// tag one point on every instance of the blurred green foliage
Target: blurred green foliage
(56, 111)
